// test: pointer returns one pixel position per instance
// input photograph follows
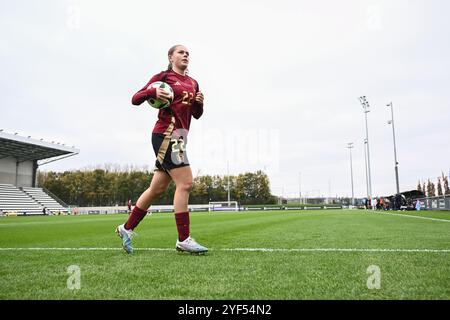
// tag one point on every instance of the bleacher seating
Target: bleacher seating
(12, 199)
(39, 195)
(30, 201)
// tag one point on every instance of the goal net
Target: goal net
(223, 206)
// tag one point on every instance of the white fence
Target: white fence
(124, 209)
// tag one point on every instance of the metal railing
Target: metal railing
(51, 194)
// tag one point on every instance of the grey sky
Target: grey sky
(281, 81)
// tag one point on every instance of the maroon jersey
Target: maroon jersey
(183, 105)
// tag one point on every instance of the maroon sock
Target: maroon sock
(182, 220)
(135, 217)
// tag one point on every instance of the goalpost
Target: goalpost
(223, 206)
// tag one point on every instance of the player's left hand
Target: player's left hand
(199, 97)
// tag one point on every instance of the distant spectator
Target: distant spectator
(129, 206)
(418, 205)
(397, 202)
(403, 202)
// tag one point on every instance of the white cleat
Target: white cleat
(126, 236)
(190, 245)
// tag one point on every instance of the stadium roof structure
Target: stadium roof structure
(413, 194)
(26, 148)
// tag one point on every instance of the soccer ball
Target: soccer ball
(158, 104)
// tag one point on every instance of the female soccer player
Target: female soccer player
(168, 140)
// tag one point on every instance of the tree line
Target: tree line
(432, 190)
(104, 187)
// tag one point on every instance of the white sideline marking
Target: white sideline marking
(410, 216)
(242, 249)
(335, 250)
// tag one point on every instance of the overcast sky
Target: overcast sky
(281, 81)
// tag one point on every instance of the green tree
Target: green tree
(431, 190)
(112, 185)
(446, 188)
(253, 188)
(439, 187)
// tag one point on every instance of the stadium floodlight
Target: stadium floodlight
(350, 147)
(366, 107)
(395, 149)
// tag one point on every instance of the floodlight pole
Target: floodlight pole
(228, 182)
(395, 148)
(300, 187)
(329, 191)
(350, 147)
(365, 160)
(365, 105)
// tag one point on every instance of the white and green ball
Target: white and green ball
(156, 103)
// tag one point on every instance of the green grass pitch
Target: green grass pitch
(316, 255)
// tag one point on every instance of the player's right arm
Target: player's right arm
(145, 94)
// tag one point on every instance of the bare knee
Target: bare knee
(158, 190)
(185, 186)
